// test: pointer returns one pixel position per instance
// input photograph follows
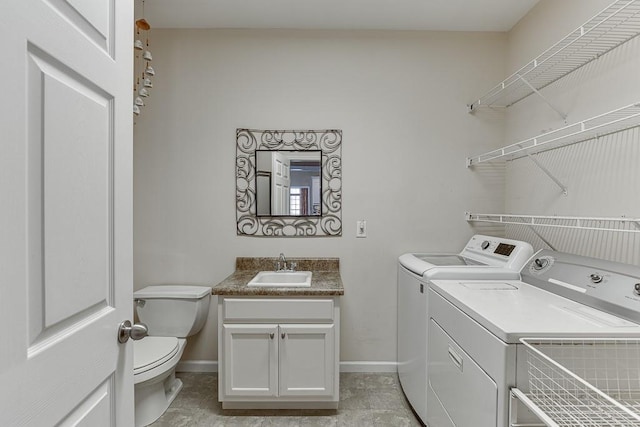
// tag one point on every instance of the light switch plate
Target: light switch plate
(361, 228)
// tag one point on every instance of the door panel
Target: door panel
(71, 178)
(467, 394)
(281, 184)
(307, 360)
(251, 360)
(94, 19)
(66, 239)
(94, 409)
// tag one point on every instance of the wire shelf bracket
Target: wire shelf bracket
(537, 92)
(546, 242)
(562, 187)
(616, 24)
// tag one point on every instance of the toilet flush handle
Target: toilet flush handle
(135, 332)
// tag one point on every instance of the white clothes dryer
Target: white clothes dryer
(475, 356)
(483, 257)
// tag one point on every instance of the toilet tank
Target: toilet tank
(173, 310)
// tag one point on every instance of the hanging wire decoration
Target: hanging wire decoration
(329, 142)
(143, 71)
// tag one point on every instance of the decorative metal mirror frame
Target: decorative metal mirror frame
(329, 142)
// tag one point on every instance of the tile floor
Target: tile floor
(367, 400)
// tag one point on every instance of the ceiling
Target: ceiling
(436, 15)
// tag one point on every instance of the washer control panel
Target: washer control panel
(499, 252)
(606, 285)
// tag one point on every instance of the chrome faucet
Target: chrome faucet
(281, 264)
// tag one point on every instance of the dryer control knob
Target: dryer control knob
(636, 288)
(540, 263)
(485, 245)
(596, 278)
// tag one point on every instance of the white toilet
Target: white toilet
(171, 313)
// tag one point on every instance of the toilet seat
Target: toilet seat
(152, 352)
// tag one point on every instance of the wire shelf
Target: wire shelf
(594, 127)
(584, 383)
(616, 24)
(622, 224)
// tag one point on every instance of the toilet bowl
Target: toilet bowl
(171, 313)
(156, 386)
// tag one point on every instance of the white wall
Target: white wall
(400, 99)
(602, 176)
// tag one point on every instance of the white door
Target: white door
(280, 183)
(315, 195)
(307, 360)
(250, 360)
(65, 212)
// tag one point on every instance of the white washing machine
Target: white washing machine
(474, 351)
(483, 257)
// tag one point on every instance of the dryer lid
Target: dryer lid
(153, 351)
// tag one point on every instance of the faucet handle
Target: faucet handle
(293, 265)
(277, 266)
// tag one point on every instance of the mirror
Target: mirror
(288, 183)
(312, 204)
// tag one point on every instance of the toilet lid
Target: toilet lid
(153, 351)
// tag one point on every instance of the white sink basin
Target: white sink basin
(282, 279)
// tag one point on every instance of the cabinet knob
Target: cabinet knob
(271, 335)
(282, 335)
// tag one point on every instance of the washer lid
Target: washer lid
(153, 351)
(172, 291)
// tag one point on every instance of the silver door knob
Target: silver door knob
(135, 332)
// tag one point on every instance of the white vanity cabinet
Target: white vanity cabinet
(278, 352)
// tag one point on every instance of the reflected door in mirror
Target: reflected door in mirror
(288, 183)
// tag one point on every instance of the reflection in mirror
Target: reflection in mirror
(323, 217)
(288, 183)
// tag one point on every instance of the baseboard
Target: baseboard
(364, 366)
(360, 366)
(197, 366)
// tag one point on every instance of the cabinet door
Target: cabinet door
(307, 360)
(250, 360)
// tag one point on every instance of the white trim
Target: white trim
(197, 366)
(360, 366)
(364, 366)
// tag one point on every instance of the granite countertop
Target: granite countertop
(325, 280)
